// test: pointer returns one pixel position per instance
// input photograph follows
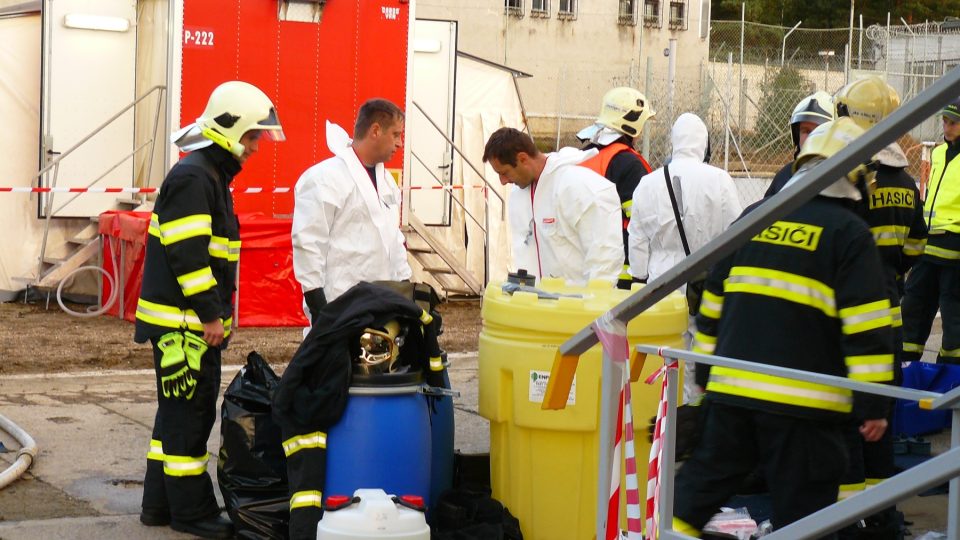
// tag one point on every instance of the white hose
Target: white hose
(25, 456)
(92, 311)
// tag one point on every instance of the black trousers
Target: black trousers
(801, 459)
(930, 286)
(870, 462)
(182, 427)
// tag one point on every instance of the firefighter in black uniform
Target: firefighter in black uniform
(812, 111)
(895, 216)
(186, 303)
(805, 293)
(935, 280)
(623, 113)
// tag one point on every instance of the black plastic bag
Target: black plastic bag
(252, 469)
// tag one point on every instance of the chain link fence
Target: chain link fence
(754, 77)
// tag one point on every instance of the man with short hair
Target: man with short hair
(565, 220)
(346, 215)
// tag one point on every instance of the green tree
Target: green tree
(780, 94)
(835, 13)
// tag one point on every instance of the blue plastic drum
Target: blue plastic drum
(382, 441)
(442, 432)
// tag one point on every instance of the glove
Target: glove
(180, 364)
(315, 300)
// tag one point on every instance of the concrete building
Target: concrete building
(577, 50)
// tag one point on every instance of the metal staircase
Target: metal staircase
(452, 276)
(57, 262)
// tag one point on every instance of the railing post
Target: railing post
(953, 502)
(611, 376)
(668, 452)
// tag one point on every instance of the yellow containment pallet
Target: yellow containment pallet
(544, 462)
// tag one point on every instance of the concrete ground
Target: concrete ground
(93, 428)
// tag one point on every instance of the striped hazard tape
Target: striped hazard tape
(26, 189)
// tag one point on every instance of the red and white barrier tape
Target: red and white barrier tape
(613, 337)
(27, 189)
(250, 190)
(656, 451)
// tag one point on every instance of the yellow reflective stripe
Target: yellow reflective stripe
(702, 343)
(425, 317)
(941, 253)
(896, 318)
(866, 317)
(779, 389)
(303, 499)
(914, 246)
(174, 317)
(625, 273)
(912, 347)
(197, 281)
(849, 490)
(185, 227)
(154, 228)
(782, 285)
(317, 439)
(950, 353)
(627, 208)
(436, 363)
(890, 235)
(711, 304)
(870, 367)
(219, 247)
(234, 251)
(682, 526)
(156, 450)
(871, 482)
(184, 465)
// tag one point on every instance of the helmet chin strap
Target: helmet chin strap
(234, 148)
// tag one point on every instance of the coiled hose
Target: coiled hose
(25, 456)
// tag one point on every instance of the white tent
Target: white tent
(486, 99)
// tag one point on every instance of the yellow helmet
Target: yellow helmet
(867, 101)
(825, 141)
(625, 110)
(234, 108)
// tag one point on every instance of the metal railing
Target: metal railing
(925, 105)
(931, 473)
(54, 165)
(487, 190)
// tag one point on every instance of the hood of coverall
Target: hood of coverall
(689, 138)
(566, 156)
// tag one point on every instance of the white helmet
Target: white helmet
(234, 108)
(816, 108)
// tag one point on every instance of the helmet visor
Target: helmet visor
(271, 126)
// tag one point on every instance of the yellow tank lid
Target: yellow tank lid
(568, 314)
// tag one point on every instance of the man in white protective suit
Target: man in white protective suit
(565, 219)
(706, 200)
(347, 210)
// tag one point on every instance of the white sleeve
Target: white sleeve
(600, 230)
(731, 206)
(315, 207)
(638, 242)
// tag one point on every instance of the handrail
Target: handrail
(108, 171)
(448, 189)
(490, 187)
(834, 517)
(55, 165)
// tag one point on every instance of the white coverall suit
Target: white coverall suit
(568, 224)
(708, 204)
(345, 231)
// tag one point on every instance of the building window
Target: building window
(540, 8)
(651, 13)
(568, 10)
(628, 12)
(513, 7)
(678, 14)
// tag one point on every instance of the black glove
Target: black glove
(315, 300)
